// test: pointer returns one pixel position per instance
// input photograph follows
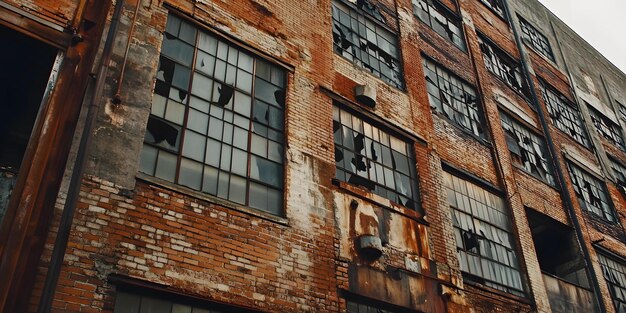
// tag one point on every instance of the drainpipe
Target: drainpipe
(565, 195)
(65, 225)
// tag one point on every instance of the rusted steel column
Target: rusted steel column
(31, 208)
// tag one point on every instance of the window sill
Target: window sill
(209, 198)
(498, 292)
(375, 199)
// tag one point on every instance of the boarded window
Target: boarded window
(449, 95)
(366, 41)
(482, 228)
(607, 128)
(217, 119)
(591, 193)
(503, 66)
(441, 20)
(528, 150)
(370, 157)
(615, 275)
(536, 39)
(564, 114)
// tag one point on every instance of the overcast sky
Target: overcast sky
(602, 23)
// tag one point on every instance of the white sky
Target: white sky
(602, 23)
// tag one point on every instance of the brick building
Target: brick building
(308, 156)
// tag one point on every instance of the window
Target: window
(153, 302)
(496, 6)
(370, 157)
(536, 39)
(440, 19)
(607, 128)
(527, 149)
(482, 228)
(615, 276)
(216, 123)
(366, 42)
(358, 307)
(453, 98)
(622, 109)
(591, 192)
(564, 114)
(503, 66)
(620, 172)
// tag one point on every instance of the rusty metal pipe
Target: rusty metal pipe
(65, 225)
(117, 99)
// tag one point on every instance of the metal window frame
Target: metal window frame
(537, 39)
(450, 16)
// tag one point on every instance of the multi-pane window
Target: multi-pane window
(620, 172)
(452, 97)
(370, 157)
(564, 114)
(359, 307)
(482, 228)
(502, 65)
(622, 109)
(607, 128)
(366, 42)
(536, 39)
(615, 276)
(126, 302)
(496, 6)
(440, 19)
(216, 123)
(591, 193)
(527, 149)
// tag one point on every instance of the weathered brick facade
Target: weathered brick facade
(336, 241)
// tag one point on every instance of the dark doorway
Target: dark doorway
(24, 74)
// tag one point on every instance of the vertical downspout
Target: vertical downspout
(565, 195)
(65, 225)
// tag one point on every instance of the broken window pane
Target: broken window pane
(607, 128)
(453, 98)
(536, 39)
(216, 119)
(496, 6)
(591, 192)
(564, 114)
(441, 19)
(366, 42)
(615, 275)
(482, 228)
(528, 150)
(507, 69)
(374, 159)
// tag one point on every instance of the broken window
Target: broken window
(453, 98)
(607, 128)
(620, 173)
(536, 39)
(372, 158)
(26, 68)
(564, 114)
(591, 193)
(503, 66)
(496, 6)
(216, 123)
(615, 275)
(622, 109)
(366, 42)
(482, 228)
(528, 150)
(440, 19)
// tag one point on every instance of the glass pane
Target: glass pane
(240, 162)
(153, 305)
(199, 104)
(240, 138)
(177, 50)
(266, 171)
(237, 192)
(158, 105)
(244, 81)
(175, 112)
(213, 150)
(242, 104)
(190, 174)
(148, 160)
(258, 196)
(166, 166)
(258, 145)
(209, 184)
(274, 201)
(205, 63)
(127, 303)
(202, 86)
(193, 146)
(207, 43)
(198, 121)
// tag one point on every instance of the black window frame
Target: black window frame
(527, 147)
(461, 109)
(622, 109)
(366, 17)
(585, 193)
(372, 134)
(502, 65)
(477, 209)
(537, 40)
(497, 7)
(560, 107)
(614, 272)
(235, 112)
(607, 128)
(427, 7)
